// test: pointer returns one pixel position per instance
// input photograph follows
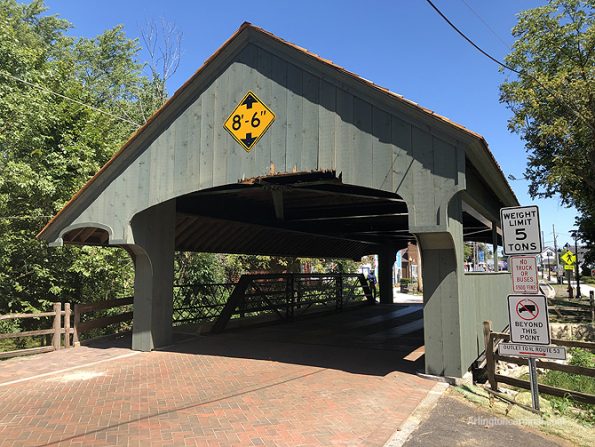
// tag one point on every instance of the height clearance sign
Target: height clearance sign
(521, 233)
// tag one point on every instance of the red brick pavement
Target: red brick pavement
(227, 390)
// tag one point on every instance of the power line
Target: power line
(503, 65)
(464, 36)
(45, 89)
(487, 25)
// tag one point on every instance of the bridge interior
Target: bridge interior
(373, 340)
(310, 214)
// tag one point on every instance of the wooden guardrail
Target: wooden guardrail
(570, 310)
(81, 327)
(492, 339)
(56, 331)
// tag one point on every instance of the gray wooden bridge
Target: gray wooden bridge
(345, 169)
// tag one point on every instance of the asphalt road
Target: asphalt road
(455, 422)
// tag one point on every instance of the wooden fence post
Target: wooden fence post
(489, 350)
(592, 304)
(77, 321)
(67, 325)
(57, 325)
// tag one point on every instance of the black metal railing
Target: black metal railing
(284, 296)
(198, 303)
(289, 295)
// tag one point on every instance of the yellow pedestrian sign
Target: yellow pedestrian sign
(569, 258)
(249, 121)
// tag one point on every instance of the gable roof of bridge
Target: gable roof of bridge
(244, 35)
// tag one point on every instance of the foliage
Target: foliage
(199, 268)
(574, 382)
(553, 103)
(49, 146)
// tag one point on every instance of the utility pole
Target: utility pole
(556, 252)
(541, 254)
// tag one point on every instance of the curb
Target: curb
(420, 413)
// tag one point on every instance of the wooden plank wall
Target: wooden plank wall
(483, 298)
(319, 125)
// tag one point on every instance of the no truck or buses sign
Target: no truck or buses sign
(521, 233)
(528, 318)
(523, 270)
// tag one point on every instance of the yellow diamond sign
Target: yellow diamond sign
(249, 121)
(569, 258)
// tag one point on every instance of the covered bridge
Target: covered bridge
(345, 169)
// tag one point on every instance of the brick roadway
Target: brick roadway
(244, 388)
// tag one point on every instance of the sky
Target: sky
(402, 45)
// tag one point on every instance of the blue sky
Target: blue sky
(401, 44)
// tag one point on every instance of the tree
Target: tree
(50, 146)
(553, 103)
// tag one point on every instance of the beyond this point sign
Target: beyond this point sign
(528, 317)
(521, 233)
(523, 271)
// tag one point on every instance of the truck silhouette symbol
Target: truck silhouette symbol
(531, 308)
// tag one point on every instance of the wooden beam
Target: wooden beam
(278, 203)
(187, 230)
(86, 234)
(339, 218)
(283, 229)
(75, 234)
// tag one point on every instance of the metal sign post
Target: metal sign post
(534, 386)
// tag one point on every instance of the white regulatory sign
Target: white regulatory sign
(529, 322)
(521, 233)
(523, 270)
(534, 351)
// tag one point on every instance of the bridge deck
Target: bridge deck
(335, 380)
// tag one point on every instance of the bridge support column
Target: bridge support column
(153, 252)
(442, 289)
(386, 261)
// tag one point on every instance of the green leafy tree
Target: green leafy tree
(51, 145)
(553, 102)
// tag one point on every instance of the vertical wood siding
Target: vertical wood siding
(318, 126)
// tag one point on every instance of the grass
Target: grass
(566, 426)
(573, 382)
